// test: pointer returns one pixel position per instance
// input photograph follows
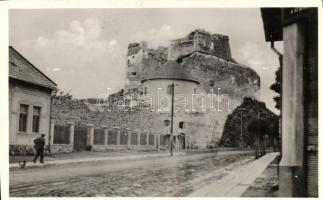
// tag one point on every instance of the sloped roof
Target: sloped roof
(170, 70)
(21, 69)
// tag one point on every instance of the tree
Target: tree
(277, 87)
(245, 115)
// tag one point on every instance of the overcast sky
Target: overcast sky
(84, 50)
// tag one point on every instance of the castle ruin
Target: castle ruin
(203, 64)
(207, 58)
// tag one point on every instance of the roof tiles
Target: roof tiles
(21, 69)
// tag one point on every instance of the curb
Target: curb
(237, 181)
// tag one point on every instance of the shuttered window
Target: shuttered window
(311, 112)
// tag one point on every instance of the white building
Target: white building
(157, 91)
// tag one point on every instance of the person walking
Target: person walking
(39, 147)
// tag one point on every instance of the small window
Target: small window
(194, 91)
(181, 125)
(145, 90)
(36, 119)
(133, 73)
(211, 82)
(133, 56)
(166, 122)
(23, 116)
(128, 61)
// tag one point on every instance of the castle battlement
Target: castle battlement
(200, 41)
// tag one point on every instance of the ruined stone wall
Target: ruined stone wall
(220, 74)
(140, 59)
(181, 48)
(203, 128)
(160, 54)
(212, 72)
(78, 112)
(223, 78)
(200, 41)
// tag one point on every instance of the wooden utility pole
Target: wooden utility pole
(172, 120)
(241, 127)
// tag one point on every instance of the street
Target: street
(167, 176)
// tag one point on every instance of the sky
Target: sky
(84, 50)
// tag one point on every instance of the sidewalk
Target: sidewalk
(237, 181)
(93, 159)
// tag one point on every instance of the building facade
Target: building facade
(29, 104)
(298, 29)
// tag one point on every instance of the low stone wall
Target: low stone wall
(21, 150)
(24, 150)
(61, 148)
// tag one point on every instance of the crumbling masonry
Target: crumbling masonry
(207, 58)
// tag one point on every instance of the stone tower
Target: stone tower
(140, 61)
(137, 52)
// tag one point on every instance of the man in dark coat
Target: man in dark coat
(39, 147)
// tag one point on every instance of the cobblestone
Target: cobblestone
(177, 177)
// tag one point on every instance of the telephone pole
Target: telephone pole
(172, 120)
(241, 127)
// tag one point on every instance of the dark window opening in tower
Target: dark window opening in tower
(166, 122)
(212, 83)
(181, 125)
